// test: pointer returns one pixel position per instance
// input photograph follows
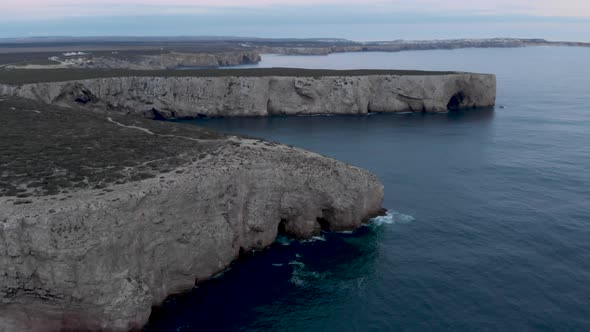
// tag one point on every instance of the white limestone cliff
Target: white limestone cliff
(181, 97)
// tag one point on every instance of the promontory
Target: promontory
(252, 92)
(102, 215)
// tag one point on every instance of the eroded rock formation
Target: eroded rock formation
(175, 59)
(173, 97)
(102, 216)
(165, 60)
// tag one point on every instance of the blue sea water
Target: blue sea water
(490, 223)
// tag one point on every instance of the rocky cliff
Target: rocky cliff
(103, 215)
(268, 95)
(174, 60)
(165, 60)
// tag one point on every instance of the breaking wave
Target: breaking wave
(314, 239)
(316, 115)
(284, 240)
(391, 217)
(302, 276)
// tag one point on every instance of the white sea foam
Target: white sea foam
(296, 263)
(220, 274)
(391, 217)
(314, 239)
(277, 265)
(284, 240)
(315, 115)
(302, 276)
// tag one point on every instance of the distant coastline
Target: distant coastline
(417, 45)
(152, 53)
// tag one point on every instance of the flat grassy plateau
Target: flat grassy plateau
(27, 76)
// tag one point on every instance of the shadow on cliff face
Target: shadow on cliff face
(456, 101)
(76, 93)
(273, 284)
(288, 129)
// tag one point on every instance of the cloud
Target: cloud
(387, 19)
(39, 9)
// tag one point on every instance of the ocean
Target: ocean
(489, 224)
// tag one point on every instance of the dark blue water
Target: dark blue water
(494, 224)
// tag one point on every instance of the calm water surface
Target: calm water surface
(492, 222)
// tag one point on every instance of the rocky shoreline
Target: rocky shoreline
(153, 53)
(105, 215)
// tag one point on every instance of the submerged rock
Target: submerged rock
(102, 216)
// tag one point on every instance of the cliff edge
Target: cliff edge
(258, 92)
(104, 215)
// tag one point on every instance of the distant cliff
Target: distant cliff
(166, 60)
(185, 97)
(153, 53)
(325, 48)
(174, 60)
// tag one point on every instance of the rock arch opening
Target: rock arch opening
(282, 229)
(324, 224)
(456, 101)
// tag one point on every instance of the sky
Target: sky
(357, 20)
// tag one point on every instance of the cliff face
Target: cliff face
(321, 50)
(261, 96)
(87, 246)
(174, 60)
(170, 60)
